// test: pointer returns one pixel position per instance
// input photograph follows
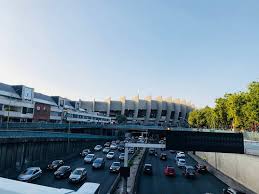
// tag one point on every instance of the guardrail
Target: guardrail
(47, 134)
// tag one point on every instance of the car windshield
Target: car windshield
(62, 169)
(116, 164)
(28, 171)
(89, 156)
(98, 161)
(55, 162)
(190, 170)
(110, 153)
(77, 172)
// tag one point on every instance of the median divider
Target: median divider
(118, 178)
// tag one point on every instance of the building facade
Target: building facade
(22, 104)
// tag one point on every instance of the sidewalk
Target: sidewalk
(221, 176)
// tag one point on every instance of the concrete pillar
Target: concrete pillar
(108, 101)
(169, 105)
(177, 110)
(123, 102)
(159, 108)
(136, 100)
(148, 105)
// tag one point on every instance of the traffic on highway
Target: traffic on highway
(99, 165)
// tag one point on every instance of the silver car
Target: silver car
(30, 174)
(78, 175)
(89, 158)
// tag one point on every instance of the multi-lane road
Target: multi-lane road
(102, 176)
(159, 183)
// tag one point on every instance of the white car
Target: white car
(113, 146)
(89, 158)
(98, 148)
(181, 162)
(30, 174)
(131, 151)
(110, 155)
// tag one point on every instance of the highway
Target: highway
(159, 183)
(102, 176)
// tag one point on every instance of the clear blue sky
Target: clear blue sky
(196, 50)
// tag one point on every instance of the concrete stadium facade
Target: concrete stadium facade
(156, 111)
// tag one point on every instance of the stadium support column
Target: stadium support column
(123, 102)
(159, 108)
(108, 101)
(169, 105)
(183, 111)
(177, 111)
(148, 102)
(136, 102)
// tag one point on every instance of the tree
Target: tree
(121, 119)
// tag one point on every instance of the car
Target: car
(131, 151)
(117, 141)
(163, 156)
(181, 162)
(201, 168)
(115, 167)
(78, 175)
(122, 156)
(161, 142)
(181, 156)
(113, 146)
(98, 163)
(98, 148)
(110, 155)
(231, 191)
(55, 164)
(30, 174)
(107, 144)
(121, 148)
(189, 172)
(169, 171)
(148, 169)
(172, 151)
(89, 158)
(63, 172)
(106, 150)
(151, 151)
(85, 152)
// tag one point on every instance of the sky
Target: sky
(197, 50)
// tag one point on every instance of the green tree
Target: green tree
(121, 119)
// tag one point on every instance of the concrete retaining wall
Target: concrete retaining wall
(18, 153)
(242, 168)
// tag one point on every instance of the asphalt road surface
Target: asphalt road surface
(158, 183)
(102, 176)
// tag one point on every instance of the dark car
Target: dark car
(115, 167)
(189, 172)
(121, 148)
(148, 169)
(98, 163)
(107, 144)
(151, 151)
(232, 191)
(55, 164)
(78, 175)
(63, 172)
(163, 156)
(201, 168)
(85, 152)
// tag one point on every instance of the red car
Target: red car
(169, 171)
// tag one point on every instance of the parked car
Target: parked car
(89, 158)
(232, 191)
(131, 151)
(98, 148)
(169, 171)
(115, 167)
(181, 162)
(55, 164)
(78, 175)
(121, 156)
(201, 168)
(117, 141)
(110, 155)
(113, 146)
(107, 144)
(98, 163)
(151, 151)
(106, 150)
(148, 169)
(85, 152)
(163, 156)
(189, 172)
(63, 172)
(181, 156)
(30, 174)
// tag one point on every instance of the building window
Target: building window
(153, 114)
(142, 113)
(172, 115)
(163, 114)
